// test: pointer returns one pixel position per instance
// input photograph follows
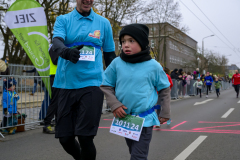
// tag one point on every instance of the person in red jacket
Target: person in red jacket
(167, 71)
(236, 82)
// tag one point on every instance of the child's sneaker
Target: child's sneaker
(157, 126)
(12, 130)
(4, 131)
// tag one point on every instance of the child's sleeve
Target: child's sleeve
(108, 85)
(194, 84)
(162, 85)
(5, 96)
(17, 96)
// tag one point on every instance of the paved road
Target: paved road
(208, 130)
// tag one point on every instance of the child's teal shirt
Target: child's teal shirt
(136, 84)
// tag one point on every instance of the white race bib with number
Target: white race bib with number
(129, 127)
(87, 53)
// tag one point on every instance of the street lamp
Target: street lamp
(198, 61)
(203, 43)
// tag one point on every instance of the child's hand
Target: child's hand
(16, 96)
(162, 120)
(119, 112)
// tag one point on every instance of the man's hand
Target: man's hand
(119, 112)
(72, 55)
(162, 120)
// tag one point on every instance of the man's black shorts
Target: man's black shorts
(79, 112)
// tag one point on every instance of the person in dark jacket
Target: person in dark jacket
(174, 74)
(37, 79)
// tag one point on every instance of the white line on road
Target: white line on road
(203, 102)
(238, 101)
(190, 148)
(227, 113)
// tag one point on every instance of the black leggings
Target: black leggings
(200, 91)
(236, 87)
(72, 147)
(208, 88)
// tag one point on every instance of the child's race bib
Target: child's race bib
(129, 127)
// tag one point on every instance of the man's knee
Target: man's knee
(66, 140)
(85, 139)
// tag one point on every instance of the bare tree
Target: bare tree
(12, 47)
(165, 12)
(119, 11)
(211, 62)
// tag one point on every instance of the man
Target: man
(236, 82)
(37, 79)
(52, 109)
(80, 99)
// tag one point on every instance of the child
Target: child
(199, 86)
(217, 86)
(130, 83)
(208, 82)
(10, 98)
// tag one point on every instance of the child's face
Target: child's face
(12, 88)
(216, 79)
(129, 45)
(198, 80)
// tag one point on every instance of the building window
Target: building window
(152, 43)
(119, 46)
(153, 30)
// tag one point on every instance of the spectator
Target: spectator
(167, 71)
(7, 72)
(197, 73)
(184, 83)
(174, 74)
(10, 98)
(45, 104)
(37, 79)
(189, 78)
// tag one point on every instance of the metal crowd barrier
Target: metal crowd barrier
(21, 110)
(180, 91)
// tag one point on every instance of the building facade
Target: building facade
(170, 46)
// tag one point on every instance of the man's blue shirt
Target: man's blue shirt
(74, 28)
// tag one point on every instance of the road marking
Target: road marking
(203, 102)
(227, 113)
(190, 148)
(238, 101)
(178, 124)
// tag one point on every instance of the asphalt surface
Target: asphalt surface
(197, 132)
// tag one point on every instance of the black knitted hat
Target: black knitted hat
(139, 32)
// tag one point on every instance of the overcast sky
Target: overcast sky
(224, 14)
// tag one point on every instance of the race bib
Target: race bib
(129, 127)
(87, 53)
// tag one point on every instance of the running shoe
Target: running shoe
(48, 129)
